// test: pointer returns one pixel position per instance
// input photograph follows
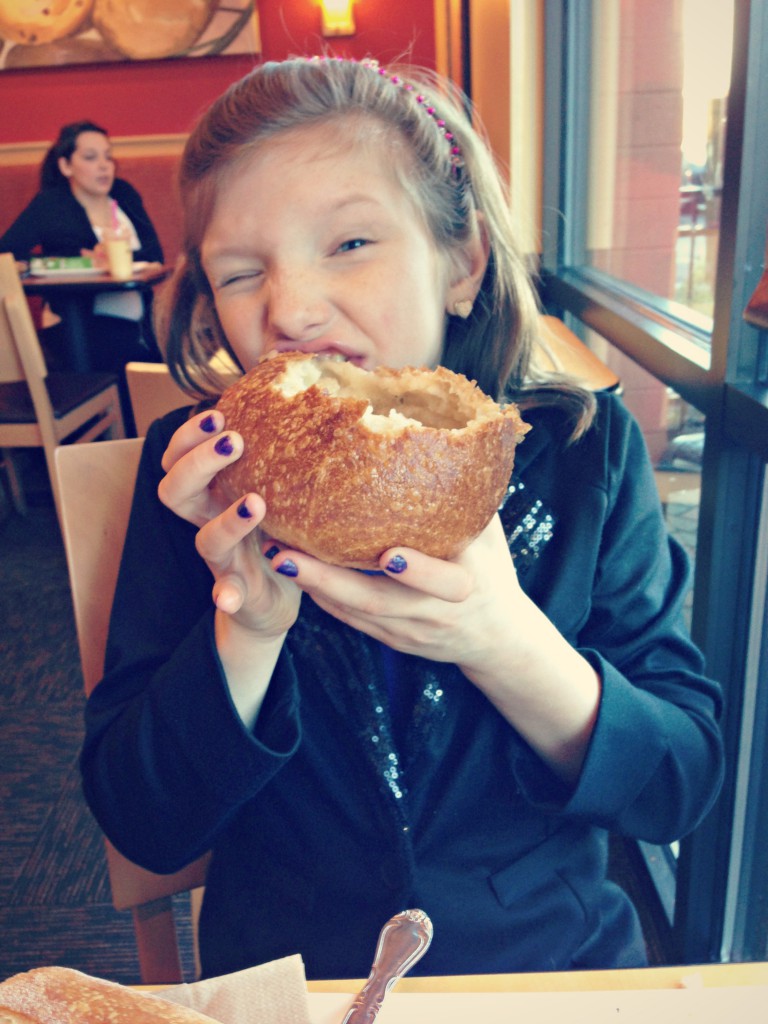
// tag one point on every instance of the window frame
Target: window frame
(728, 385)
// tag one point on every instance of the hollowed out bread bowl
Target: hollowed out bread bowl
(351, 463)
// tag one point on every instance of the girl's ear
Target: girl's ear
(468, 270)
(64, 167)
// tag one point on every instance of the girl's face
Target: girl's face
(90, 169)
(314, 246)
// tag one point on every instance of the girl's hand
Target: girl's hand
(259, 602)
(471, 611)
(450, 611)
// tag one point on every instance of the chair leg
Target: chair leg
(116, 429)
(157, 943)
(14, 483)
(195, 906)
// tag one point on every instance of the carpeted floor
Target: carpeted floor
(55, 905)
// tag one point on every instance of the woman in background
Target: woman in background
(68, 217)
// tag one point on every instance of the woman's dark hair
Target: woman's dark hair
(64, 146)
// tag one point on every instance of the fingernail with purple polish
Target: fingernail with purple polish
(224, 445)
(397, 564)
(208, 424)
(288, 568)
(243, 511)
(270, 553)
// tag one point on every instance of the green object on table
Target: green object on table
(38, 263)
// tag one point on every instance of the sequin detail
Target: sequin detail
(528, 524)
(384, 756)
(432, 692)
(350, 672)
(348, 668)
(392, 775)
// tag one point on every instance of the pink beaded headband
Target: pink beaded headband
(426, 104)
(457, 162)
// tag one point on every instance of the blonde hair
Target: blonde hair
(443, 162)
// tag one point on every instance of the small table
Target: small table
(735, 975)
(68, 291)
(732, 991)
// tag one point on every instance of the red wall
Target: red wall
(157, 97)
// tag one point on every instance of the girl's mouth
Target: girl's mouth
(330, 351)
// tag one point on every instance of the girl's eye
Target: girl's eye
(352, 243)
(236, 278)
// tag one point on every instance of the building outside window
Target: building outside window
(655, 208)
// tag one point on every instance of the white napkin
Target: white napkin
(273, 993)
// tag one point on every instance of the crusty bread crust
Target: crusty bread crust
(60, 995)
(345, 478)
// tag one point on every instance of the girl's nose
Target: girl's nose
(296, 305)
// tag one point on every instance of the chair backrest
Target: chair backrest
(74, 408)
(96, 483)
(21, 357)
(11, 369)
(564, 351)
(153, 393)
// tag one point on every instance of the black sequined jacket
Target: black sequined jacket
(323, 825)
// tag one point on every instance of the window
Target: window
(674, 432)
(653, 233)
(658, 91)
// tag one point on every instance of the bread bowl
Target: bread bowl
(61, 995)
(352, 462)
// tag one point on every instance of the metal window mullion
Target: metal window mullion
(741, 939)
(575, 129)
(737, 345)
(554, 88)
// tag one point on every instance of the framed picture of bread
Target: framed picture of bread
(44, 33)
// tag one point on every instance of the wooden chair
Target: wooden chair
(568, 353)
(153, 393)
(95, 484)
(38, 409)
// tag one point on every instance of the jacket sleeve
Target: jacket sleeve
(130, 200)
(25, 232)
(166, 760)
(655, 761)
